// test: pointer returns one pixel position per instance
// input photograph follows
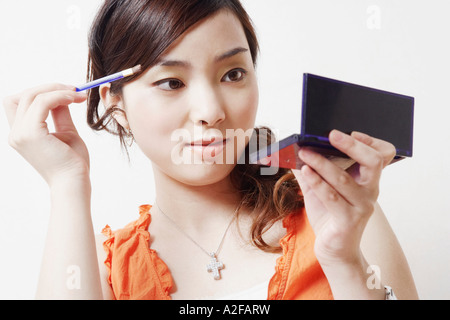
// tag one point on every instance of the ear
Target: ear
(110, 100)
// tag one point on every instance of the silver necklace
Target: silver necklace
(214, 265)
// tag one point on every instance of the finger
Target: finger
(370, 160)
(10, 104)
(386, 149)
(337, 178)
(39, 110)
(311, 200)
(328, 196)
(63, 119)
(303, 185)
(28, 96)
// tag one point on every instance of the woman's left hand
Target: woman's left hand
(340, 202)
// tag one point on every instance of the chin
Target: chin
(196, 175)
(194, 170)
(202, 174)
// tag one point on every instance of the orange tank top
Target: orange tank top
(136, 272)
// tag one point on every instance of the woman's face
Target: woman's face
(190, 113)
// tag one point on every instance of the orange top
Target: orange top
(136, 272)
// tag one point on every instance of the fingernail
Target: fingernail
(306, 171)
(81, 94)
(69, 87)
(362, 137)
(305, 154)
(337, 136)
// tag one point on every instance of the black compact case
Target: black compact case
(332, 104)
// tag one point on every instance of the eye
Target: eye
(169, 84)
(234, 75)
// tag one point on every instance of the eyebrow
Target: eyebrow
(230, 54)
(186, 64)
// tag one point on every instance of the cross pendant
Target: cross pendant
(214, 266)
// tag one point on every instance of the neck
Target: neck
(196, 208)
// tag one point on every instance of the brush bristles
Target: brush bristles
(137, 69)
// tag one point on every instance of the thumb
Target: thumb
(301, 182)
(314, 208)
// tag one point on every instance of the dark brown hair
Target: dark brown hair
(126, 33)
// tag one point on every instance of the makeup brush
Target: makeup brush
(111, 78)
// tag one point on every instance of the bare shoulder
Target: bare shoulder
(104, 273)
(382, 250)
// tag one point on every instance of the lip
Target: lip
(208, 148)
(205, 143)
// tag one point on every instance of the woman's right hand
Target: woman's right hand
(56, 156)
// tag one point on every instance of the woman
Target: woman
(218, 229)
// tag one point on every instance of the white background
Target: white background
(396, 45)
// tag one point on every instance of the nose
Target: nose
(207, 106)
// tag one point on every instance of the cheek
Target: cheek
(246, 108)
(242, 115)
(151, 128)
(253, 106)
